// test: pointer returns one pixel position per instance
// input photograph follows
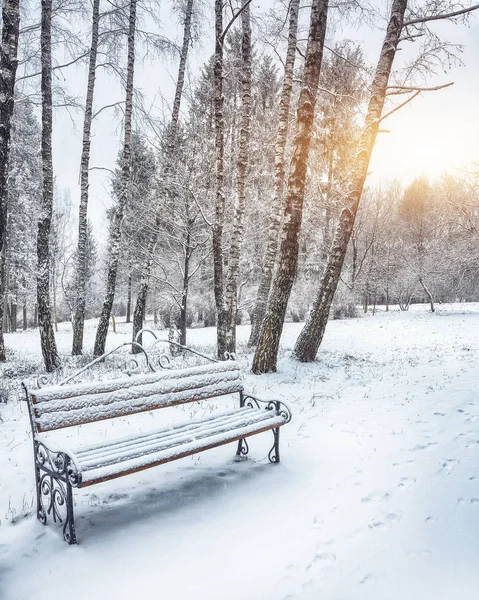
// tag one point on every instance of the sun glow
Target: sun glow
(426, 138)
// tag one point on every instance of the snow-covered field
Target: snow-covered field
(377, 494)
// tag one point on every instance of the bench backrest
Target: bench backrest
(59, 406)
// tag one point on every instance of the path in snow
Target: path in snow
(377, 496)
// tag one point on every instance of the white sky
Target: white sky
(437, 132)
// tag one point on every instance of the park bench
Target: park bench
(58, 469)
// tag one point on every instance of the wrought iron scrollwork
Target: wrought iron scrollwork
(243, 448)
(273, 454)
(164, 364)
(55, 476)
(281, 408)
(58, 464)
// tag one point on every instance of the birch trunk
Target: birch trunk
(279, 176)
(128, 301)
(47, 335)
(310, 338)
(79, 316)
(8, 70)
(186, 281)
(123, 196)
(218, 258)
(268, 344)
(140, 306)
(231, 288)
(3, 357)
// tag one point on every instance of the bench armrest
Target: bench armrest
(60, 461)
(278, 405)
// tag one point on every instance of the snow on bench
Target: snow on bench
(58, 470)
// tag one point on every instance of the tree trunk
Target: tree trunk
(428, 293)
(218, 258)
(231, 288)
(310, 338)
(123, 196)
(3, 357)
(8, 70)
(279, 176)
(47, 336)
(13, 317)
(186, 281)
(128, 301)
(140, 306)
(81, 275)
(268, 344)
(24, 315)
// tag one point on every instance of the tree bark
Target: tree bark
(268, 344)
(82, 258)
(8, 70)
(140, 306)
(184, 296)
(128, 301)
(47, 335)
(219, 123)
(3, 356)
(123, 196)
(310, 338)
(231, 288)
(279, 176)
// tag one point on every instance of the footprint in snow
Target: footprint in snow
(389, 519)
(369, 578)
(422, 446)
(406, 482)
(449, 465)
(375, 496)
(319, 566)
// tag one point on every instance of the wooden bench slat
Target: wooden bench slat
(90, 414)
(134, 392)
(181, 435)
(87, 452)
(60, 392)
(111, 471)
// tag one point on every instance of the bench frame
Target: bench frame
(56, 474)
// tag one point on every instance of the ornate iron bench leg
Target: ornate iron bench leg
(273, 454)
(69, 534)
(54, 491)
(243, 448)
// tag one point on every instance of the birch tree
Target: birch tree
(8, 69)
(231, 287)
(47, 335)
(279, 176)
(219, 125)
(115, 230)
(268, 343)
(398, 29)
(82, 267)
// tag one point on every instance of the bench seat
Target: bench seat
(115, 458)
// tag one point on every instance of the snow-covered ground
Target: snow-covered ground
(377, 494)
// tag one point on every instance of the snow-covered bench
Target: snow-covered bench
(59, 469)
